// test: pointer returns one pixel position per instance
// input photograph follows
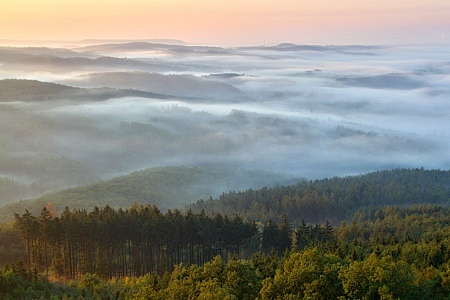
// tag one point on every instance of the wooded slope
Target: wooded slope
(335, 199)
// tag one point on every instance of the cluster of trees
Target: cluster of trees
(312, 273)
(283, 236)
(381, 252)
(11, 245)
(334, 199)
(419, 235)
(130, 242)
(384, 253)
(142, 240)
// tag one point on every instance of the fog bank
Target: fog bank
(309, 111)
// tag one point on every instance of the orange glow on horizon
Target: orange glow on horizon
(231, 22)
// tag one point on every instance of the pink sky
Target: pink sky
(232, 22)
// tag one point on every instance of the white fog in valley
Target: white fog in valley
(103, 110)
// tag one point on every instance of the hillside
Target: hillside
(335, 199)
(330, 199)
(28, 90)
(186, 86)
(34, 90)
(166, 187)
(389, 249)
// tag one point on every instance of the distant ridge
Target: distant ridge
(85, 42)
(34, 90)
(166, 187)
(158, 41)
(148, 46)
(335, 199)
(344, 49)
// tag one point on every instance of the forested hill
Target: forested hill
(334, 199)
(33, 90)
(166, 187)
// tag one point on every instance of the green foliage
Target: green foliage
(306, 275)
(123, 243)
(166, 187)
(335, 199)
(389, 252)
(379, 278)
(16, 283)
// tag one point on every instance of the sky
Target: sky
(231, 22)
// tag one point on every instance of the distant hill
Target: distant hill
(166, 187)
(174, 84)
(335, 199)
(119, 84)
(161, 45)
(105, 57)
(33, 90)
(344, 49)
(14, 53)
(385, 81)
(121, 41)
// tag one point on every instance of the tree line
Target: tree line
(131, 242)
(334, 199)
(141, 240)
(355, 263)
(379, 251)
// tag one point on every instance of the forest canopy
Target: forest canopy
(334, 199)
(388, 239)
(373, 257)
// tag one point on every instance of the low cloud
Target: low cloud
(308, 111)
(386, 81)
